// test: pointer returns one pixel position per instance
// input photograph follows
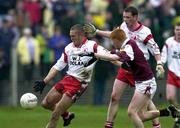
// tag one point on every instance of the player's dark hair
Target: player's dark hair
(132, 10)
(78, 27)
(177, 24)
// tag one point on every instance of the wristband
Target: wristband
(97, 30)
(159, 62)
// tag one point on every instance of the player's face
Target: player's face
(117, 44)
(129, 19)
(76, 37)
(177, 32)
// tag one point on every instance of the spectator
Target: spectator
(59, 9)
(177, 7)
(6, 39)
(4, 69)
(34, 12)
(48, 17)
(5, 7)
(113, 18)
(2, 65)
(29, 54)
(43, 38)
(69, 20)
(13, 26)
(98, 12)
(57, 42)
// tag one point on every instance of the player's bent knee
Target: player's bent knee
(115, 98)
(170, 99)
(45, 104)
(141, 115)
(131, 113)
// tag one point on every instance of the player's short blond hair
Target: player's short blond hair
(118, 34)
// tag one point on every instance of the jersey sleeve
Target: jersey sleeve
(101, 49)
(164, 53)
(127, 54)
(150, 43)
(153, 47)
(61, 63)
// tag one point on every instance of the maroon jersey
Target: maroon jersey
(133, 57)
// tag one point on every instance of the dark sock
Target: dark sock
(177, 120)
(164, 112)
(158, 125)
(65, 115)
(108, 124)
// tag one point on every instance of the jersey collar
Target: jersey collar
(138, 27)
(83, 42)
(125, 42)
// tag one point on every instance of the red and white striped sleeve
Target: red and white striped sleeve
(150, 43)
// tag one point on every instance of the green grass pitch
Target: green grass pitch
(86, 117)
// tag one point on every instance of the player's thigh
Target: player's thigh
(170, 91)
(53, 96)
(151, 106)
(118, 88)
(138, 102)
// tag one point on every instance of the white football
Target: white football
(28, 101)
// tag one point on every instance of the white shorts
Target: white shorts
(147, 87)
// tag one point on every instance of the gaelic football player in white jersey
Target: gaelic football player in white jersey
(145, 85)
(171, 55)
(144, 39)
(63, 94)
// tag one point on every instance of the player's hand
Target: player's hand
(117, 52)
(39, 86)
(89, 29)
(160, 71)
(114, 51)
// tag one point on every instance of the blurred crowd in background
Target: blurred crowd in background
(39, 31)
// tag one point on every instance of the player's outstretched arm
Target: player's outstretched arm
(100, 55)
(107, 56)
(91, 31)
(52, 73)
(154, 49)
(39, 85)
(103, 33)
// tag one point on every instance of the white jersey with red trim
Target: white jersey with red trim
(171, 54)
(80, 67)
(144, 39)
